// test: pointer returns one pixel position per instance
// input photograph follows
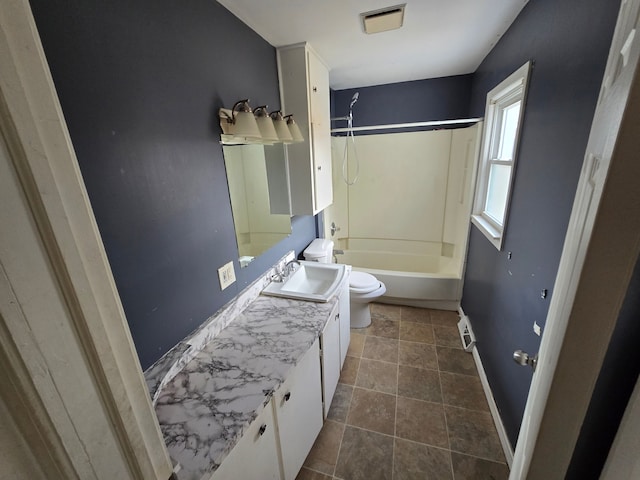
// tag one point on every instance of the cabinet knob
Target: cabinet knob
(315, 89)
(320, 167)
(263, 428)
(287, 396)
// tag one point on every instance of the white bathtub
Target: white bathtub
(428, 281)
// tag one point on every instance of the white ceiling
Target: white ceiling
(439, 37)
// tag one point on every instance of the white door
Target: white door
(591, 282)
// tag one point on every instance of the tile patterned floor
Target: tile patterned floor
(409, 406)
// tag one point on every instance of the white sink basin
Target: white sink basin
(311, 281)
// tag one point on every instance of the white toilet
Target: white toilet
(364, 288)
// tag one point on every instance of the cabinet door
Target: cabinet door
(299, 412)
(330, 345)
(318, 79)
(345, 322)
(255, 456)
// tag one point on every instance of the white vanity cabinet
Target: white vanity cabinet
(298, 405)
(278, 441)
(330, 346)
(304, 92)
(345, 322)
(281, 442)
(255, 456)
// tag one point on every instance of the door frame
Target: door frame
(591, 282)
(74, 385)
(600, 251)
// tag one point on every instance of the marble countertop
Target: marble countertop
(204, 409)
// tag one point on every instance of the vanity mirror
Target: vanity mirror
(252, 172)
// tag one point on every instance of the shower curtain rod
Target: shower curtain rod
(431, 123)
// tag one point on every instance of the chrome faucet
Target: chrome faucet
(282, 272)
(278, 275)
(291, 267)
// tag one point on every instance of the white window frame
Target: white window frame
(508, 92)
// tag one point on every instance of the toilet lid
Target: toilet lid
(363, 282)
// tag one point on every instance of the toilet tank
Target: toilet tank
(320, 250)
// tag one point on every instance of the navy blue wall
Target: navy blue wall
(416, 101)
(568, 42)
(140, 84)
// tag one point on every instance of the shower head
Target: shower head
(354, 99)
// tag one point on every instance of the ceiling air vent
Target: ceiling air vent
(389, 18)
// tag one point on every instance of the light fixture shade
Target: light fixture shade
(296, 134)
(245, 125)
(280, 124)
(265, 124)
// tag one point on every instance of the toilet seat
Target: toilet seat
(361, 282)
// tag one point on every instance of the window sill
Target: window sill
(493, 234)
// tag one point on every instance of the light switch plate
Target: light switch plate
(227, 275)
(536, 328)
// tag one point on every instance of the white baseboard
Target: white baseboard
(493, 407)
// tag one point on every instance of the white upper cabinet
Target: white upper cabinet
(304, 92)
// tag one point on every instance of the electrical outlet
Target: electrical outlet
(227, 275)
(536, 328)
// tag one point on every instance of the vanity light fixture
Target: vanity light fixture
(294, 129)
(265, 124)
(244, 122)
(280, 124)
(243, 126)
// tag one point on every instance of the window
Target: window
(503, 119)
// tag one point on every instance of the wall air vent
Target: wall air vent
(389, 18)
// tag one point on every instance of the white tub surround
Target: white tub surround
(406, 219)
(209, 397)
